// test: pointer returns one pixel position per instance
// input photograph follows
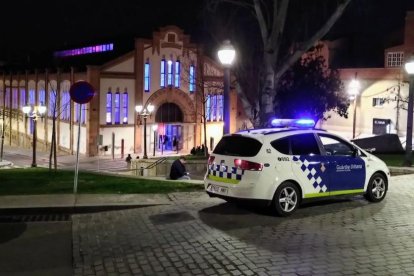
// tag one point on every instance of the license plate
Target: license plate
(218, 189)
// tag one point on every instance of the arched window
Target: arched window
(109, 107)
(169, 113)
(52, 103)
(42, 97)
(7, 97)
(23, 97)
(65, 106)
(117, 108)
(83, 115)
(15, 103)
(125, 107)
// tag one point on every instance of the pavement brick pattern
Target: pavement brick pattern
(196, 235)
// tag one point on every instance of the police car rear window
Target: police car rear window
(238, 146)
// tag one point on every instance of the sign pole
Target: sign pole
(81, 92)
(75, 185)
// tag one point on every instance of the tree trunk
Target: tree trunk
(54, 145)
(267, 93)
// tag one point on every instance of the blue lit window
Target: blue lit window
(147, 77)
(42, 97)
(65, 106)
(177, 73)
(76, 107)
(109, 108)
(15, 103)
(192, 78)
(32, 97)
(162, 80)
(23, 97)
(208, 108)
(170, 72)
(220, 107)
(52, 103)
(83, 115)
(7, 97)
(117, 108)
(214, 108)
(125, 107)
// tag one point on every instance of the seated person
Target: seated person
(178, 171)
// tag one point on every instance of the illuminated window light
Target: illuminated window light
(85, 50)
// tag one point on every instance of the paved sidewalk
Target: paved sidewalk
(81, 200)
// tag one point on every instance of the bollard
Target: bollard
(142, 171)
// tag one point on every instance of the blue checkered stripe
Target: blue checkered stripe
(225, 171)
(313, 173)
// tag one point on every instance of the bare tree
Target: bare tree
(205, 85)
(280, 49)
(3, 126)
(57, 107)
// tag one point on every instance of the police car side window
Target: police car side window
(304, 144)
(281, 145)
(335, 146)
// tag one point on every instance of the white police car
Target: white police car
(284, 166)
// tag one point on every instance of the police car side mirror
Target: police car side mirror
(355, 153)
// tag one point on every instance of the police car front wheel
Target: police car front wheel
(377, 188)
(286, 199)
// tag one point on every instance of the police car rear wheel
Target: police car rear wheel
(286, 199)
(377, 188)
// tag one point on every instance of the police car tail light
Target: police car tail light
(211, 160)
(248, 165)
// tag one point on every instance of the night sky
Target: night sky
(32, 27)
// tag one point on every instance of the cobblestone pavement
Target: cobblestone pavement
(196, 235)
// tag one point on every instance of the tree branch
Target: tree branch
(288, 61)
(261, 21)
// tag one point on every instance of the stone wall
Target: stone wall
(140, 167)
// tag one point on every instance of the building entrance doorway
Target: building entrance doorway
(173, 132)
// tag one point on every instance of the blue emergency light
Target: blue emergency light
(301, 123)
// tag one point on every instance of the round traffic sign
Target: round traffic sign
(81, 92)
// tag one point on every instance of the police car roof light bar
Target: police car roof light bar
(300, 123)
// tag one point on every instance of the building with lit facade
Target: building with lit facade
(167, 71)
(378, 107)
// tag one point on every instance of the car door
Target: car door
(309, 166)
(346, 169)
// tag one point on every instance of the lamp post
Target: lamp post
(34, 114)
(226, 55)
(409, 67)
(144, 113)
(154, 127)
(353, 91)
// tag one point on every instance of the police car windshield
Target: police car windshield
(237, 145)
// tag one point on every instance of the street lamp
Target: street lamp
(353, 91)
(409, 67)
(144, 113)
(226, 55)
(35, 113)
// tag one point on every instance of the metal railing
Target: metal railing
(150, 166)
